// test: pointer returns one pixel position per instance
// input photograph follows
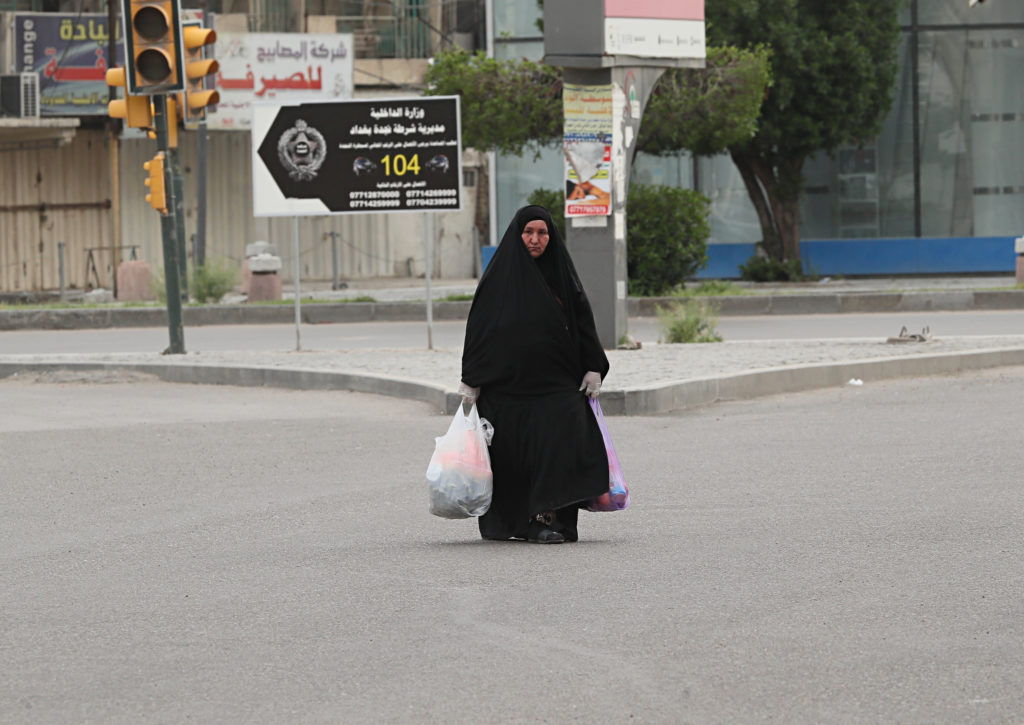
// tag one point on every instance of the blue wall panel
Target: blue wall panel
(943, 255)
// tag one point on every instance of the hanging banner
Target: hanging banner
(278, 68)
(347, 157)
(587, 146)
(69, 52)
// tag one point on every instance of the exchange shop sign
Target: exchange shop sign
(348, 157)
(69, 52)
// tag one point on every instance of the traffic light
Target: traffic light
(173, 112)
(153, 46)
(157, 196)
(133, 109)
(197, 68)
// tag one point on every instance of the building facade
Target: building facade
(941, 190)
(71, 187)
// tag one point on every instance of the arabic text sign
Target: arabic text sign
(69, 52)
(587, 148)
(654, 38)
(278, 67)
(345, 157)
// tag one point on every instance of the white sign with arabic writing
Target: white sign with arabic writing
(278, 67)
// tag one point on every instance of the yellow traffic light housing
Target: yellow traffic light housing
(133, 109)
(153, 46)
(197, 69)
(157, 196)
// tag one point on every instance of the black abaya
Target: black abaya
(530, 338)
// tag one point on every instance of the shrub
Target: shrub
(694, 321)
(554, 202)
(213, 280)
(713, 288)
(767, 269)
(666, 237)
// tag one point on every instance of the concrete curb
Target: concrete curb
(343, 312)
(845, 302)
(648, 400)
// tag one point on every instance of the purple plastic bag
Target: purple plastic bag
(617, 497)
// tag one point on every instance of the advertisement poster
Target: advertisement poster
(588, 150)
(69, 52)
(346, 157)
(279, 68)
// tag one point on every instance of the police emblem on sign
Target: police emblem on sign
(302, 150)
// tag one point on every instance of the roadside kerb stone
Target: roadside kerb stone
(255, 376)
(804, 304)
(999, 300)
(663, 398)
(342, 312)
(956, 301)
(882, 302)
(638, 400)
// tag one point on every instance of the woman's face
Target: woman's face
(535, 237)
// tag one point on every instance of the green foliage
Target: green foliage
(833, 72)
(687, 106)
(515, 106)
(213, 280)
(768, 269)
(554, 202)
(693, 321)
(457, 298)
(510, 106)
(666, 237)
(713, 288)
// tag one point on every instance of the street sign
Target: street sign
(357, 156)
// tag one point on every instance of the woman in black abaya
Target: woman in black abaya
(532, 357)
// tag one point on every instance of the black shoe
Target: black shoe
(544, 536)
(571, 536)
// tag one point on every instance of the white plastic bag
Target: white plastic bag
(459, 480)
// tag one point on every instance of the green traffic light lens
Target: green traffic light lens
(153, 65)
(151, 23)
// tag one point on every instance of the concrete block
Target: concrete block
(264, 287)
(1001, 299)
(956, 300)
(871, 302)
(254, 248)
(262, 263)
(804, 304)
(135, 281)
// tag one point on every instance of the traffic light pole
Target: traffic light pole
(179, 218)
(169, 236)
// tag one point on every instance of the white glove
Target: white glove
(591, 384)
(469, 394)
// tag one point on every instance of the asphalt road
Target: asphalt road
(449, 334)
(214, 554)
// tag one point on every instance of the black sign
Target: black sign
(368, 155)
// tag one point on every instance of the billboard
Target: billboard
(348, 157)
(69, 52)
(280, 68)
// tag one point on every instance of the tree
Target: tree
(508, 106)
(833, 70)
(516, 106)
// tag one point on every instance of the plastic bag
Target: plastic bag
(459, 480)
(617, 497)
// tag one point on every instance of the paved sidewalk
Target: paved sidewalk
(655, 379)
